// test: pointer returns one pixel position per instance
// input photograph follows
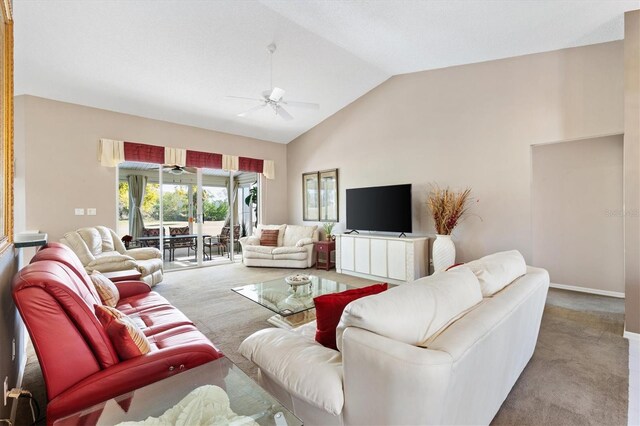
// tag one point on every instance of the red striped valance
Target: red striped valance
(113, 152)
(143, 153)
(204, 159)
(246, 164)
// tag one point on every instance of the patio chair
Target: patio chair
(175, 243)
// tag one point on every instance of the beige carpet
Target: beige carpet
(577, 376)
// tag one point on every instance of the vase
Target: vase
(444, 253)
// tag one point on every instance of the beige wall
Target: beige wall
(577, 220)
(56, 162)
(632, 169)
(470, 125)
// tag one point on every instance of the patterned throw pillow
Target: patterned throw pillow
(106, 314)
(269, 237)
(106, 289)
(127, 338)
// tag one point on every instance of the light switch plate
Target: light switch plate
(79, 212)
(91, 212)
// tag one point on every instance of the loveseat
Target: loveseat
(80, 364)
(294, 247)
(445, 349)
(100, 249)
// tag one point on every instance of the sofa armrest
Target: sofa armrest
(144, 253)
(285, 357)
(396, 364)
(303, 242)
(111, 263)
(132, 288)
(130, 375)
(250, 241)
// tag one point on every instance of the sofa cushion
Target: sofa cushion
(105, 238)
(291, 256)
(127, 338)
(413, 312)
(258, 232)
(141, 302)
(288, 250)
(269, 237)
(294, 233)
(92, 238)
(107, 290)
(496, 271)
(287, 357)
(74, 241)
(329, 309)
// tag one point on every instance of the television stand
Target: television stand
(353, 231)
(402, 235)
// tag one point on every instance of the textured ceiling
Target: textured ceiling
(177, 60)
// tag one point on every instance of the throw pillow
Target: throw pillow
(106, 289)
(329, 309)
(269, 237)
(106, 314)
(127, 338)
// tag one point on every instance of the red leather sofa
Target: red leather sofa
(81, 368)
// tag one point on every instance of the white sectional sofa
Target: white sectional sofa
(439, 350)
(294, 248)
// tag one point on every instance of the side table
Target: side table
(326, 248)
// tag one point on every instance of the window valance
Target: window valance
(113, 152)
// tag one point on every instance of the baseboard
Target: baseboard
(631, 336)
(588, 290)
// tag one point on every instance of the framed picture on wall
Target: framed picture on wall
(328, 195)
(310, 196)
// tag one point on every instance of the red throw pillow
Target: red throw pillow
(269, 237)
(329, 309)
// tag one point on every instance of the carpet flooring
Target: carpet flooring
(578, 374)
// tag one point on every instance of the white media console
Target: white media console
(393, 259)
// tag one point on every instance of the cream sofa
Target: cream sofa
(294, 249)
(429, 352)
(100, 249)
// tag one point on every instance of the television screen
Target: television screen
(380, 208)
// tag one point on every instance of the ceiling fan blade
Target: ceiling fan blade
(244, 98)
(284, 114)
(308, 105)
(252, 110)
(276, 94)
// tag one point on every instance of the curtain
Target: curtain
(137, 185)
(204, 159)
(175, 156)
(269, 169)
(110, 152)
(229, 162)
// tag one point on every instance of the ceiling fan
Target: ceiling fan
(274, 97)
(176, 170)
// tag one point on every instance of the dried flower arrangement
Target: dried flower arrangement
(448, 207)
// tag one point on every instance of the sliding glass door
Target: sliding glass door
(194, 216)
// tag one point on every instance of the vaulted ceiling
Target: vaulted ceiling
(177, 60)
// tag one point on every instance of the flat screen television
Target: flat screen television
(379, 208)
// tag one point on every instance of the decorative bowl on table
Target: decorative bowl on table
(297, 279)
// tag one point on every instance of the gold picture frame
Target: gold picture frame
(6, 127)
(329, 206)
(320, 196)
(310, 191)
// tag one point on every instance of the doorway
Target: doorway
(577, 221)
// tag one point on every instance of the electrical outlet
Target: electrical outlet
(79, 212)
(91, 212)
(6, 390)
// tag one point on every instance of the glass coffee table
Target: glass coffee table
(292, 304)
(248, 402)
